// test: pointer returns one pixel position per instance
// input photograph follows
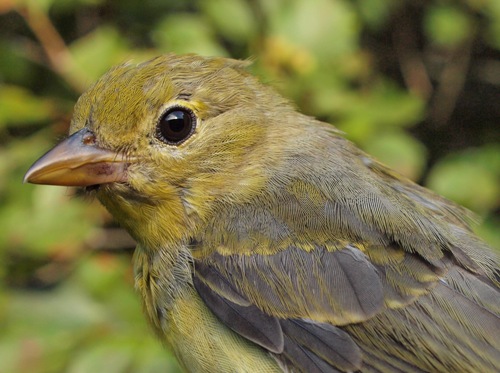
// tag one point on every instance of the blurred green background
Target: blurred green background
(415, 83)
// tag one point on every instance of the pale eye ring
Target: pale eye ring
(176, 125)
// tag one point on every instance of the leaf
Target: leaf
(187, 33)
(232, 17)
(98, 50)
(399, 151)
(447, 25)
(466, 182)
(20, 107)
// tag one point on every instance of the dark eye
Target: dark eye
(176, 125)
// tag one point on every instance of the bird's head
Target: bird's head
(160, 141)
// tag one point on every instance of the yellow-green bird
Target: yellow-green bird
(266, 241)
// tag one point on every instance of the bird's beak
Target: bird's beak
(77, 161)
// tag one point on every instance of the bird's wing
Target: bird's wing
(339, 286)
(390, 278)
(277, 300)
(339, 310)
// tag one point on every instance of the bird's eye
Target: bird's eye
(176, 125)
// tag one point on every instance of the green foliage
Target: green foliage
(447, 25)
(471, 178)
(411, 83)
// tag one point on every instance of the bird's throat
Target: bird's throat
(152, 223)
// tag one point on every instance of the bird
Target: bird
(266, 241)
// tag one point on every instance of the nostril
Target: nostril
(88, 139)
